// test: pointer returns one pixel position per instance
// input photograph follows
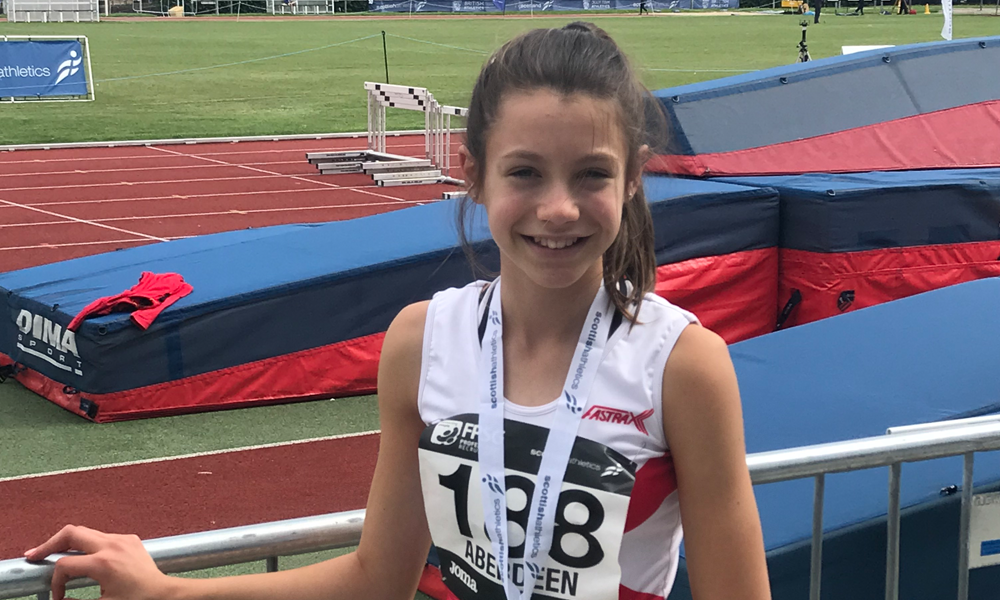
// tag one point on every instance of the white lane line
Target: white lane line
(183, 456)
(70, 244)
(143, 169)
(130, 183)
(189, 196)
(83, 221)
(233, 211)
(226, 153)
(296, 177)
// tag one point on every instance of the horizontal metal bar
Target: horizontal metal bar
(942, 424)
(208, 549)
(807, 461)
(405, 175)
(353, 155)
(389, 165)
(339, 167)
(401, 182)
(392, 87)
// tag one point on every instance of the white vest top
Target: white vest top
(618, 530)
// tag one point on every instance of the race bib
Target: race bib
(589, 519)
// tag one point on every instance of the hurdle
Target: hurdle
(392, 169)
(437, 119)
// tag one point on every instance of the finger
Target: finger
(71, 567)
(70, 537)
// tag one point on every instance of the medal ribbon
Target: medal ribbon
(558, 445)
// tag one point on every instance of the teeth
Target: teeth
(555, 244)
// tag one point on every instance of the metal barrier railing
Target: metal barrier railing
(193, 551)
(311, 534)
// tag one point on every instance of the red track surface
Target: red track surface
(192, 494)
(62, 204)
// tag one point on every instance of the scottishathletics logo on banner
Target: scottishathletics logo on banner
(31, 69)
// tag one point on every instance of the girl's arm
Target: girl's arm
(703, 423)
(394, 543)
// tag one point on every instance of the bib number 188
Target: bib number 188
(458, 482)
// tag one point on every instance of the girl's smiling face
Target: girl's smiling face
(553, 185)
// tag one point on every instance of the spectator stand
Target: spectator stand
(299, 7)
(54, 11)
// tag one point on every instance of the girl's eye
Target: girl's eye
(522, 173)
(596, 174)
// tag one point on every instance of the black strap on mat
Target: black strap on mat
(786, 312)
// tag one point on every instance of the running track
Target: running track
(61, 204)
(66, 203)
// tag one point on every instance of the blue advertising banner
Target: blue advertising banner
(32, 69)
(467, 6)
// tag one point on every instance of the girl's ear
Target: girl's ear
(635, 183)
(469, 169)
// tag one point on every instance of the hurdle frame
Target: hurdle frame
(437, 119)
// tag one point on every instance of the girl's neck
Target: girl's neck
(534, 315)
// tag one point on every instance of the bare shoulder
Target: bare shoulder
(698, 354)
(700, 391)
(406, 332)
(399, 365)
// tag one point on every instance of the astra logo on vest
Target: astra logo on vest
(47, 340)
(617, 415)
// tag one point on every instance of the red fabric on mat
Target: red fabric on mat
(962, 137)
(833, 283)
(145, 300)
(343, 369)
(732, 294)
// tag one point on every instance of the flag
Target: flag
(500, 4)
(946, 9)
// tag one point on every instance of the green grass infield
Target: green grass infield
(174, 78)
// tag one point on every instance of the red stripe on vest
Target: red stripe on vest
(653, 483)
(626, 594)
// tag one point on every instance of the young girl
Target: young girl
(552, 429)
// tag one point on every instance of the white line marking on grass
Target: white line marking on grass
(83, 221)
(192, 455)
(298, 177)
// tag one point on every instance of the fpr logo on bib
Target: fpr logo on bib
(446, 432)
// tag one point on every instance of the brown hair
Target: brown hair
(580, 58)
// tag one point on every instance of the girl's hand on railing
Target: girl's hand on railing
(119, 563)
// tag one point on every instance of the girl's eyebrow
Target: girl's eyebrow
(598, 155)
(522, 154)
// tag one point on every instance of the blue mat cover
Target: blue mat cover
(926, 358)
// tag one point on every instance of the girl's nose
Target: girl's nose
(557, 206)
